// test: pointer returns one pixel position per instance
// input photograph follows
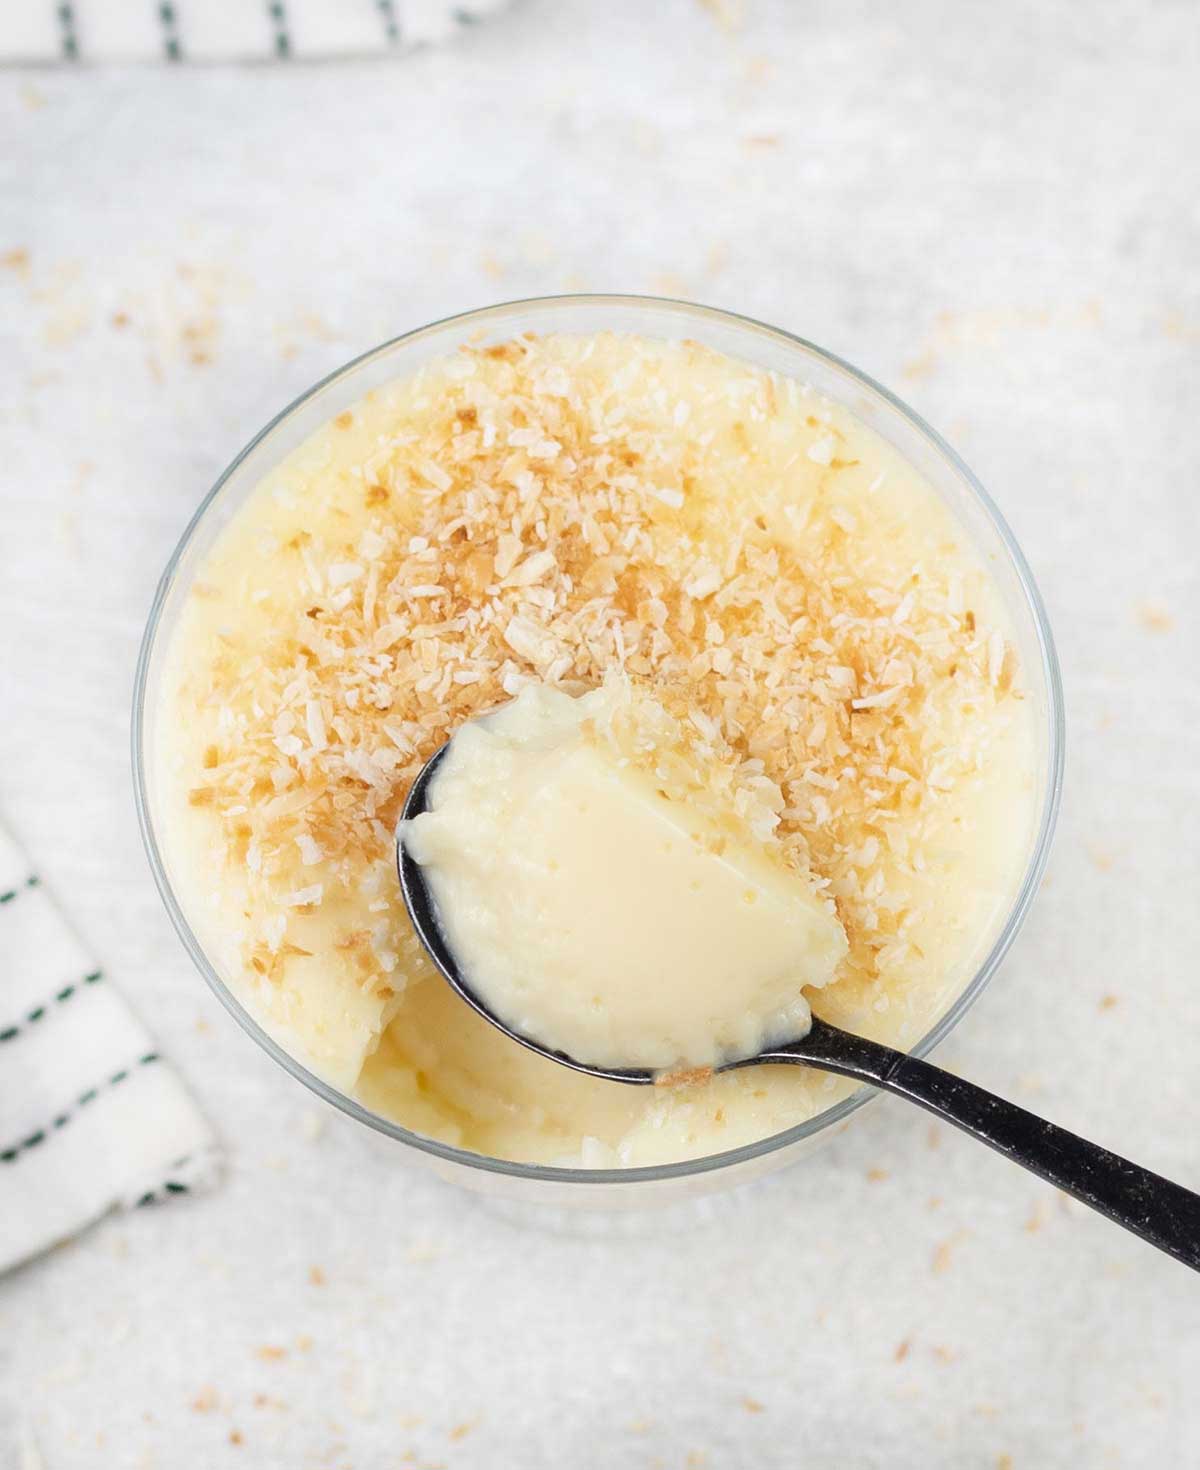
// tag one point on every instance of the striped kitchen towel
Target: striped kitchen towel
(90, 1116)
(228, 30)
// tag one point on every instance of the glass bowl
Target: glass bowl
(739, 337)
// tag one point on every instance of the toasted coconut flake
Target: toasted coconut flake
(305, 897)
(315, 721)
(879, 699)
(526, 638)
(531, 570)
(683, 1077)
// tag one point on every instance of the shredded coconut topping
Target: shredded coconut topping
(527, 514)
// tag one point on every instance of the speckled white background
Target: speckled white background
(992, 208)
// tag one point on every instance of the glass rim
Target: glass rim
(709, 1163)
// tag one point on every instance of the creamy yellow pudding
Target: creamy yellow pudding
(556, 511)
(599, 900)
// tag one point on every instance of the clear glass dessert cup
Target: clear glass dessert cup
(739, 337)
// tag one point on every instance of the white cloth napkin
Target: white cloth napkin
(90, 1115)
(228, 30)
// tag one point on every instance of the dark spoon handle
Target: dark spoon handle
(1165, 1214)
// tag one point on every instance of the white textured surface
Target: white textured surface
(992, 209)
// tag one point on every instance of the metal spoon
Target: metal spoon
(1161, 1212)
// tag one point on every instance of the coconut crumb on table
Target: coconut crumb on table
(943, 1255)
(1155, 616)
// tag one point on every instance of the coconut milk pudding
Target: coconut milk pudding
(697, 584)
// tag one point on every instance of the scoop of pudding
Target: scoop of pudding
(602, 898)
